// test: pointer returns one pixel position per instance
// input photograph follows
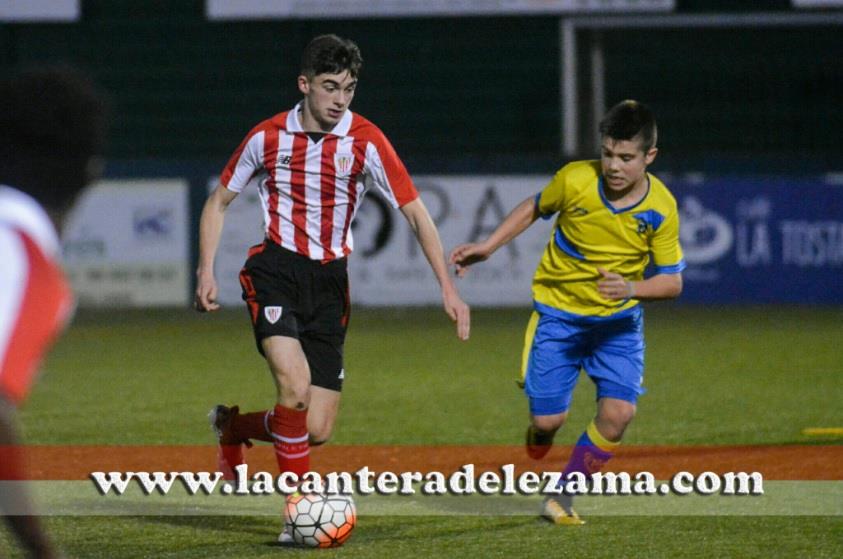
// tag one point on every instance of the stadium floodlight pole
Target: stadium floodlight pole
(598, 89)
(568, 28)
(568, 87)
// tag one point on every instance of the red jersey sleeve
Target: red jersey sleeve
(247, 159)
(387, 170)
(35, 304)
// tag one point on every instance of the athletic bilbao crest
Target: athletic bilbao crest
(343, 162)
(272, 314)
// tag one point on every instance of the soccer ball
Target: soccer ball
(320, 520)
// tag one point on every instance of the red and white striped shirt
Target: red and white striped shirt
(35, 297)
(311, 190)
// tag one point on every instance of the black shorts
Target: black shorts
(288, 294)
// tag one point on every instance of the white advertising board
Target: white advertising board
(817, 3)
(304, 9)
(126, 244)
(388, 267)
(23, 11)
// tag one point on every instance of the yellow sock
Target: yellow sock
(599, 440)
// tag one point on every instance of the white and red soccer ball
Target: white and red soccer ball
(320, 520)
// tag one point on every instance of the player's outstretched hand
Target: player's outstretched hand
(613, 286)
(465, 255)
(459, 312)
(206, 294)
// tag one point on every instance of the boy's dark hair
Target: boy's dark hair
(52, 123)
(330, 54)
(630, 119)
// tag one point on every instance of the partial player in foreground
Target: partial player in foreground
(313, 163)
(611, 216)
(51, 128)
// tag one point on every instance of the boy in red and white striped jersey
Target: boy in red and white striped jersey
(313, 165)
(51, 126)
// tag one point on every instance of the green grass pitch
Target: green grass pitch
(714, 376)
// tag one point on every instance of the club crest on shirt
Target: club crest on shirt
(272, 314)
(343, 162)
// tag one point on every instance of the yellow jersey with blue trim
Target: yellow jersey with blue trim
(589, 233)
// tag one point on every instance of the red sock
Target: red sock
(242, 428)
(253, 425)
(289, 429)
(229, 456)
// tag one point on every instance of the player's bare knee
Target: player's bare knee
(625, 416)
(292, 386)
(612, 421)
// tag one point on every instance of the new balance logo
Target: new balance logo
(272, 314)
(284, 160)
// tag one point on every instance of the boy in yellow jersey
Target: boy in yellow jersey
(612, 217)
